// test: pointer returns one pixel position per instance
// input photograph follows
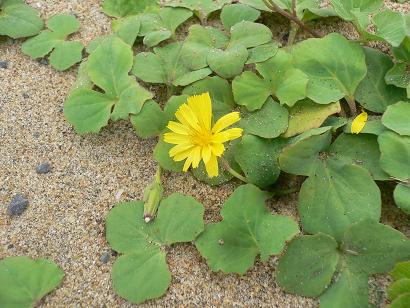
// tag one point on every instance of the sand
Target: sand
(92, 173)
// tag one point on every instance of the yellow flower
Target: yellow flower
(195, 136)
(359, 123)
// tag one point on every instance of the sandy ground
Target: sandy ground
(65, 217)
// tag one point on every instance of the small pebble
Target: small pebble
(43, 61)
(114, 253)
(4, 64)
(17, 205)
(105, 257)
(36, 135)
(43, 168)
(25, 96)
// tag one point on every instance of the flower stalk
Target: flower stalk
(152, 197)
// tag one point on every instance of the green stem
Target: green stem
(228, 168)
(294, 28)
(352, 105)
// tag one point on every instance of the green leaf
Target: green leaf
(127, 28)
(232, 14)
(268, 122)
(308, 265)
(150, 121)
(262, 53)
(165, 66)
(258, 158)
(65, 54)
(362, 150)
(18, 19)
(398, 75)
(83, 81)
(373, 126)
(402, 53)
(130, 272)
(322, 60)
(301, 156)
(228, 63)
(202, 8)
(346, 8)
(395, 155)
(398, 288)
(87, 110)
(391, 26)
(280, 79)
(220, 91)
(335, 196)
(161, 155)
(373, 93)
(120, 8)
(349, 290)
(401, 270)
(402, 301)
(397, 118)
(25, 281)
(402, 197)
(374, 248)
(247, 229)
(306, 115)
(142, 273)
(107, 67)
(250, 34)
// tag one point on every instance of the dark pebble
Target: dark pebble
(105, 257)
(43, 168)
(43, 61)
(114, 253)
(4, 64)
(10, 246)
(25, 96)
(17, 205)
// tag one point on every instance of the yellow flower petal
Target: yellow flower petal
(212, 167)
(227, 135)
(187, 117)
(175, 138)
(202, 107)
(217, 149)
(196, 156)
(183, 155)
(359, 123)
(179, 149)
(206, 153)
(187, 164)
(225, 121)
(178, 128)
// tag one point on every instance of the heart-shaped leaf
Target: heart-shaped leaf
(65, 54)
(250, 34)
(228, 63)
(373, 93)
(395, 155)
(336, 196)
(321, 59)
(232, 14)
(258, 158)
(25, 281)
(262, 53)
(141, 273)
(18, 19)
(268, 122)
(397, 118)
(346, 9)
(308, 265)
(391, 26)
(247, 229)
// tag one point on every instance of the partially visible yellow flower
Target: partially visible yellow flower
(359, 122)
(196, 137)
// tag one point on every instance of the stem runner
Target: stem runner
(228, 168)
